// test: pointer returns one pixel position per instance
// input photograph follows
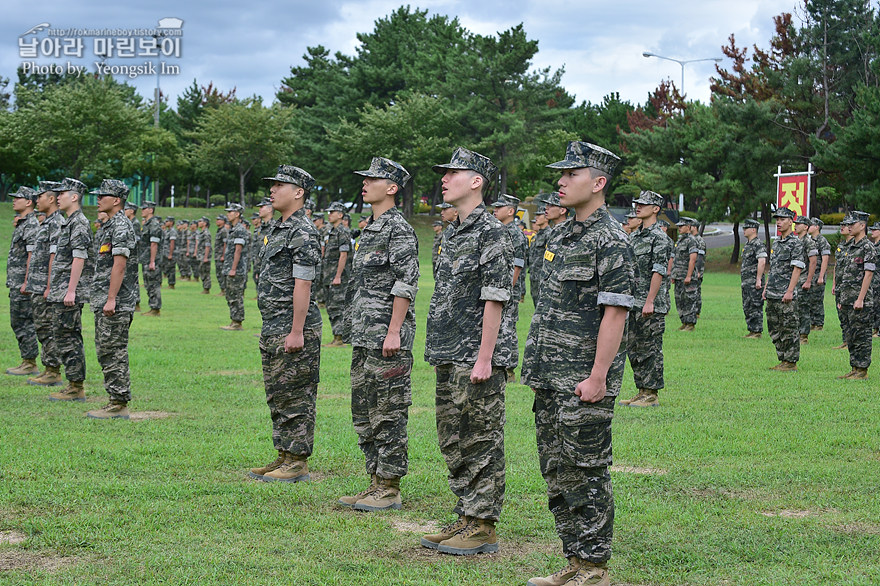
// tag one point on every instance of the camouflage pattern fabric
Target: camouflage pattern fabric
(67, 331)
(21, 313)
(338, 241)
(861, 258)
(652, 250)
(875, 286)
(111, 346)
(236, 285)
(116, 239)
(74, 241)
(135, 258)
(536, 262)
(169, 259)
(381, 393)
(520, 258)
(44, 317)
(319, 291)
(470, 431)
(219, 249)
(644, 346)
(753, 303)
(816, 295)
(476, 265)
(805, 305)
(44, 245)
(786, 254)
(783, 324)
(783, 320)
(435, 253)
(686, 295)
(152, 233)
(21, 318)
(203, 268)
(257, 247)
(840, 261)
(699, 273)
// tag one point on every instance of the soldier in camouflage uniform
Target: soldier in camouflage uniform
(336, 252)
(471, 349)
(130, 211)
(856, 298)
(875, 281)
(235, 265)
(754, 261)
(169, 246)
(151, 257)
(266, 213)
(203, 254)
(686, 253)
(536, 251)
(113, 297)
(38, 282)
(700, 266)
(816, 296)
(631, 223)
(437, 226)
(574, 361)
(840, 257)
(807, 276)
(70, 279)
(290, 340)
(647, 317)
(21, 310)
(504, 211)
(318, 292)
(382, 288)
(181, 250)
(219, 251)
(781, 291)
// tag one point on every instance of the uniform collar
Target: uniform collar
(472, 218)
(376, 224)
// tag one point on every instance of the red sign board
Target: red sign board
(793, 192)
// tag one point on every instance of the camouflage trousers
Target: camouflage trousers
(185, 267)
(381, 393)
(534, 287)
(816, 302)
(686, 300)
(153, 285)
(843, 317)
(805, 311)
(319, 293)
(111, 346)
(21, 318)
(291, 381)
(205, 275)
(335, 300)
(875, 283)
(137, 279)
(753, 308)
(67, 330)
(644, 346)
(782, 323)
(169, 269)
(44, 317)
(235, 287)
(858, 340)
(574, 451)
(221, 277)
(470, 430)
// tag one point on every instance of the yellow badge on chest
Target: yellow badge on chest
(265, 240)
(104, 248)
(549, 256)
(356, 245)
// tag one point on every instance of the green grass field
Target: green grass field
(743, 476)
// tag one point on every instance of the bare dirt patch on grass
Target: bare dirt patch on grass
(639, 470)
(333, 396)
(12, 537)
(858, 528)
(25, 560)
(789, 514)
(413, 527)
(144, 415)
(237, 373)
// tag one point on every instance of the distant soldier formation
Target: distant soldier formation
(601, 290)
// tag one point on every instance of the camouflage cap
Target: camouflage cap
(221, 218)
(650, 198)
(70, 184)
(444, 206)
(234, 207)
(550, 199)
(24, 192)
(802, 220)
(817, 222)
(692, 221)
(875, 226)
(45, 186)
(318, 216)
(506, 200)
(113, 187)
(541, 210)
(264, 203)
(383, 168)
(336, 206)
(148, 204)
(169, 218)
(631, 214)
(130, 205)
(463, 158)
(435, 223)
(182, 223)
(783, 212)
(295, 175)
(255, 216)
(750, 223)
(860, 216)
(847, 220)
(682, 221)
(346, 216)
(310, 204)
(583, 154)
(663, 223)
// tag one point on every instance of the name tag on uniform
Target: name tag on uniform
(439, 248)
(265, 240)
(104, 248)
(549, 256)
(356, 245)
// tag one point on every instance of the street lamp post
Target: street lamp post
(681, 62)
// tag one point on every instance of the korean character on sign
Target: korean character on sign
(73, 47)
(50, 47)
(103, 46)
(125, 47)
(171, 47)
(27, 48)
(148, 47)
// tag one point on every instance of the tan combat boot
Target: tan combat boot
(432, 540)
(74, 391)
(112, 410)
(27, 367)
(233, 326)
(689, 327)
(638, 396)
(847, 375)
(785, 366)
(336, 343)
(805, 339)
(386, 496)
(206, 291)
(152, 313)
(350, 501)
(589, 574)
(294, 469)
(754, 335)
(51, 377)
(559, 577)
(841, 347)
(858, 373)
(137, 307)
(477, 537)
(648, 399)
(258, 472)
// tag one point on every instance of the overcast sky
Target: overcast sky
(252, 45)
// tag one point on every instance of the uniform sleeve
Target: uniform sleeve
(795, 254)
(122, 240)
(661, 256)
(306, 254)
(29, 234)
(80, 239)
(871, 260)
(403, 255)
(615, 267)
(760, 251)
(240, 235)
(344, 238)
(496, 265)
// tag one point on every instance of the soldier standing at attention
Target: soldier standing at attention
(805, 281)
(21, 309)
(254, 243)
(383, 286)
(130, 211)
(632, 223)
(686, 252)
(700, 266)
(504, 211)
(754, 261)
(235, 266)
(113, 296)
(336, 252)
(266, 219)
(38, 281)
(471, 353)
(437, 226)
(816, 297)
(290, 339)
(71, 275)
(318, 290)
(169, 245)
(780, 293)
(856, 298)
(203, 255)
(574, 361)
(181, 252)
(219, 251)
(840, 261)
(647, 318)
(536, 251)
(151, 242)
(875, 282)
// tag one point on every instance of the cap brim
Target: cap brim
(565, 165)
(443, 168)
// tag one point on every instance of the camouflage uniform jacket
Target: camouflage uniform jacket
(700, 265)
(385, 266)
(652, 250)
(220, 242)
(520, 255)
(47, 234)
(810, 250)
(259, 241)
(536, 252)
(824, 248)
(74, 241)
(167, 236)
(861, 257)
(435, 249)
(752, 251)
(785, 254)
(152, 232)
(238, 234)
(24, 241)
(338, 241)
(203, 242)
(587, 266)
(476, 265)
(685, 246)
(116, 239)
(292, 251)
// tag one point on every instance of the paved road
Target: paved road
(721, 235)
